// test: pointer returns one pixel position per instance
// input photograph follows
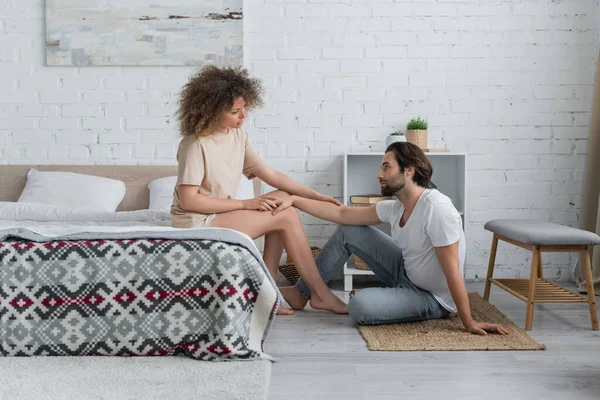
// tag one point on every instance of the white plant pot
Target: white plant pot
(394, 138)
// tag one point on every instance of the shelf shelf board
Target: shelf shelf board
(350, 269)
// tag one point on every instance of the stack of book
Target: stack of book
(365, 200)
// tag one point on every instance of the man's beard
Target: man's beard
(390, 190)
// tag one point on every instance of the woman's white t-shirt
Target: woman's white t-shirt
(434, 222)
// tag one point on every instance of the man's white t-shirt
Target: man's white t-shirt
(434, 222)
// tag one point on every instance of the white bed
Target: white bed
(27, 227)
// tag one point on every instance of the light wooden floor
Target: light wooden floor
(322, 356)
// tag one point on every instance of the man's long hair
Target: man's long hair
(411, 155)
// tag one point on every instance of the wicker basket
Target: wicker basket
(289, 270)
(290, 273)
(418, 137)
(315, 251)
(359, 264)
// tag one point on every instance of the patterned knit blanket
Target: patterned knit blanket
(137, 294)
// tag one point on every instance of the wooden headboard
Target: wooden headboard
(136, 178)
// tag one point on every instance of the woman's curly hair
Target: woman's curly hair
(210, 92)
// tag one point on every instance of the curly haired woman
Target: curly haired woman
(214, 153)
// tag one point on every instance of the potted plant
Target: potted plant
(416, 132)
(395, 137)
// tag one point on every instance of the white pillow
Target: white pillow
(71, 190)
(161, 192)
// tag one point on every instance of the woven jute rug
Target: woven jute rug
(449, 334)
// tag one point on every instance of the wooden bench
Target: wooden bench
(539, 237)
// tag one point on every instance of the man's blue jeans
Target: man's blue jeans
(399, 301)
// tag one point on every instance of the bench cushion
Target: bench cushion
(541, 233)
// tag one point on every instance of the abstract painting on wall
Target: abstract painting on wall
(144, 32)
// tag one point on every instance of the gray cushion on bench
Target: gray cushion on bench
(541, 233)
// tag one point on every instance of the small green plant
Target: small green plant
(397, 133)
(417, 123)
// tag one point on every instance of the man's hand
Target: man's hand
(283, 203)
(482, 328)
(322, 197)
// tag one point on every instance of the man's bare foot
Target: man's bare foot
(293, 297)
(332, 303)
(283, 310)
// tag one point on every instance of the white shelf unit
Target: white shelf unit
(360, 177)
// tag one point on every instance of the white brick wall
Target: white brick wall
(509, 82)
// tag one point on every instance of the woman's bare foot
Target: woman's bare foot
(298, 302)
(332, 303)
(293, 297)
(283, 310)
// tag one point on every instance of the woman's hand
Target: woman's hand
(322, 197)
(283, 203)
(261, 203)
